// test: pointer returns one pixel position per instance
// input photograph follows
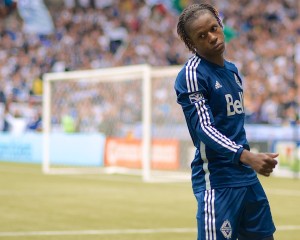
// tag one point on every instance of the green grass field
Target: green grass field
(113, 207)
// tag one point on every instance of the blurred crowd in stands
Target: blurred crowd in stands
(264, 42)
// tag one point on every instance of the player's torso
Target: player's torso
(225, 100)
(225, 97)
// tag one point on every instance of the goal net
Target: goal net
(115, 120)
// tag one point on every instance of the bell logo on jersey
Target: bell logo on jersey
(234, 107)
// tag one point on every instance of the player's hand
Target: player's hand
(262, 163)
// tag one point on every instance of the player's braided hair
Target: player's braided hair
(190, 13)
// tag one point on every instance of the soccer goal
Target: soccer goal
(116, 120)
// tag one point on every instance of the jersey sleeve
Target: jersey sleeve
(192, 94)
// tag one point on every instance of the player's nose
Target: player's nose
(212, 38)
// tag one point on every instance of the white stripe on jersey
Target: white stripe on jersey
(195, 74)
(209, 211)
(207, 124)
(190, 73)
(205, 166)
(209, 215)
(192, 85)
(205, 214)
(207, 130)
(214, 215)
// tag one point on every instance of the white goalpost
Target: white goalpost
(113, 120)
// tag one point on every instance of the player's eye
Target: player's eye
(214, 28)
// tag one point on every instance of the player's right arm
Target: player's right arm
(192, 94)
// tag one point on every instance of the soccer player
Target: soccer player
(231, 201)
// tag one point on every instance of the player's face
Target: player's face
(207, 36)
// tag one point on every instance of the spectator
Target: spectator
(16, 122)
(100, 34)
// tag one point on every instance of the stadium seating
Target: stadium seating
(95, 35)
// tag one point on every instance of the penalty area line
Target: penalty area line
(120, 231)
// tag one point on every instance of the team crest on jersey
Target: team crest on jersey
(237, 80)
(196, 97)
(226, 229)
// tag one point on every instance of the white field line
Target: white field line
(288, 228)
(120, 231)
(99, 232)
(283, 192)
(280, 192)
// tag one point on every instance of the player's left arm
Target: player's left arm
(262, 163)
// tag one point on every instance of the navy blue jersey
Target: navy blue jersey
(211, 97)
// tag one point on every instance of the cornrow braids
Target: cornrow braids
(190, 13)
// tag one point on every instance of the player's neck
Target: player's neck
(218, 60)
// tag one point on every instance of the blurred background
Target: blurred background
(38, 37)
(51, 36)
